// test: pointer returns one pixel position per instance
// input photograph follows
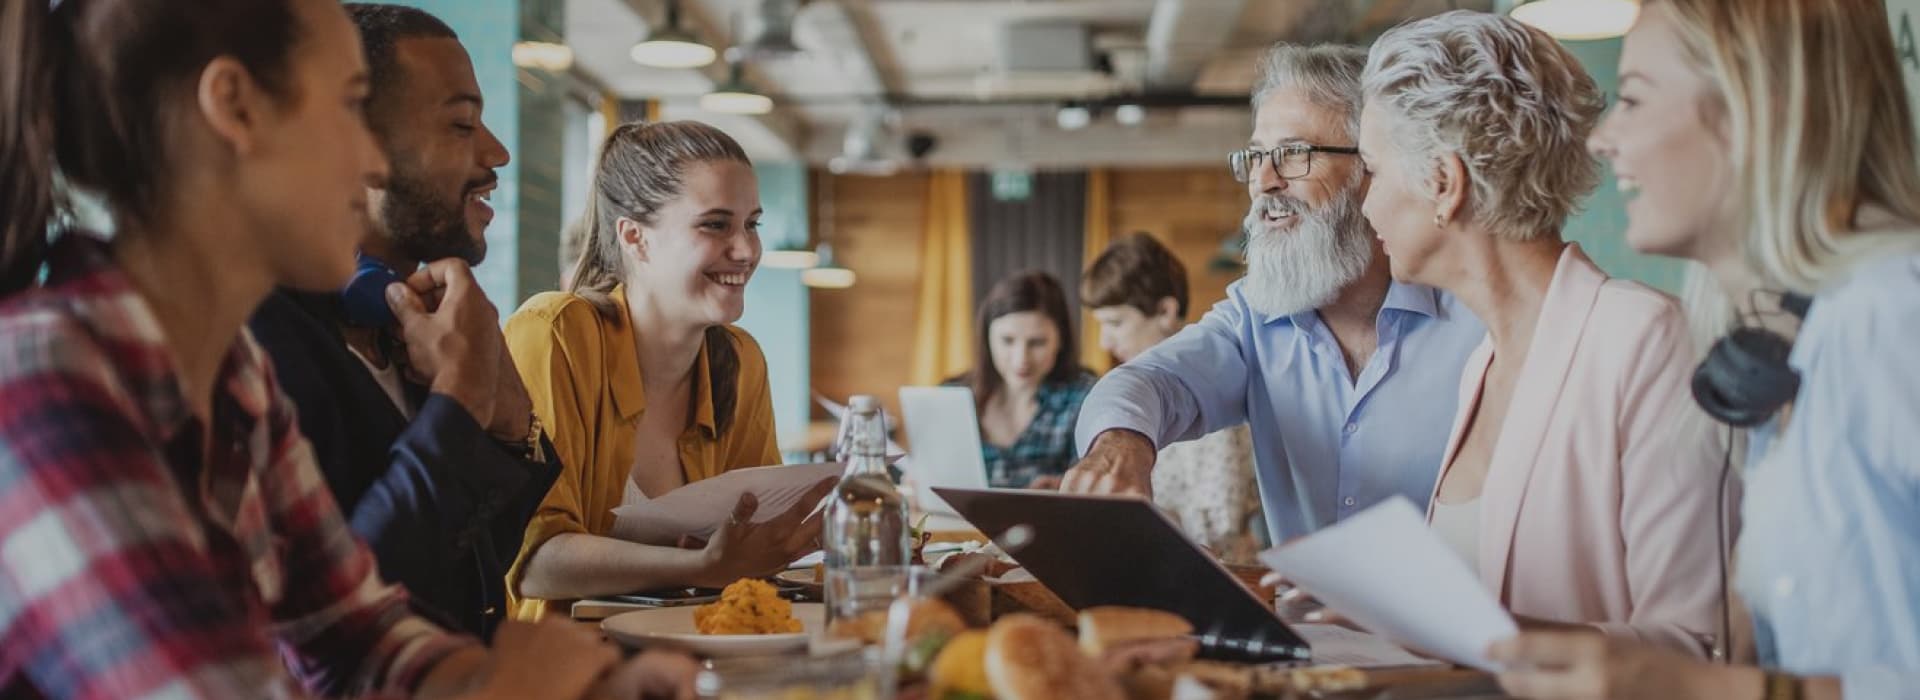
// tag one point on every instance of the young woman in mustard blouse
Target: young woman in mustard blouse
(641, 382)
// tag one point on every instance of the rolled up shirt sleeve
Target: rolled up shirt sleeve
(1187, 386)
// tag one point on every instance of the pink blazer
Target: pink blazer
(1599, 502)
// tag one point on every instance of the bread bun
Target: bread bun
(1029, 658)
(1102, 629)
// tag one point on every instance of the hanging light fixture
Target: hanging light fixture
(1578, 19)
(672, 46)
(543, 55)
(735, 96)
(827, 274)
(789, 259)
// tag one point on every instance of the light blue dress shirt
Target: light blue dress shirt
(1830, 552)
(1325, 445)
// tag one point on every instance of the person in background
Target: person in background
(1580, 481)
(1785, 171)
(166, 532)
(1137, 290)
(422, 428)
(1027, 382)
(644, 381)
(1345, 377)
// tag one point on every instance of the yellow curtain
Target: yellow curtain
(1099, 232)
(943, 327)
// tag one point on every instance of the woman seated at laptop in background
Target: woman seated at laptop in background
(1137, 290)
(1580, 480)
(1027, 382)
(641, 381)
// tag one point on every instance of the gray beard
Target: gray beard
(1304, 269)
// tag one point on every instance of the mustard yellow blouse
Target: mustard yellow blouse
(583, 373)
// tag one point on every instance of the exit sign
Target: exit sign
(1012, 185)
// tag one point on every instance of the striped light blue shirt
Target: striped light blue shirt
(1326, 445)
(1830, 554)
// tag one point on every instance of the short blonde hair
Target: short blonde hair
(1504, 97)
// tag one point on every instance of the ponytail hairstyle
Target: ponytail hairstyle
(88, 88)
(642, 167)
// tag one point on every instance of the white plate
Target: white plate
(673, 627)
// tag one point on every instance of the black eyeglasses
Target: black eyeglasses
(1290, 161)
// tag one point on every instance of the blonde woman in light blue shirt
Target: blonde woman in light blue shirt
(1785, 169)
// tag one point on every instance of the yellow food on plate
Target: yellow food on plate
(747, 606)
(961, 668)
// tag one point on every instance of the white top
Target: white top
(1459, 526)
(389, 380)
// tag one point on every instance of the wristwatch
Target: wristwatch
(531, 449)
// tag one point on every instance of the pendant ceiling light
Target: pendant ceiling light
(672, 46)
(735, 96)
(1579, 19)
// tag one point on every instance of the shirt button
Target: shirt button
(1352, 428)
(1349, 501)
(1783, 587)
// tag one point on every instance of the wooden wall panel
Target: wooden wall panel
(863, 335)
(1191, 210)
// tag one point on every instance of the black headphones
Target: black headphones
(1745, 377)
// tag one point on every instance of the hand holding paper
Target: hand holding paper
(699, 508)
(1387, 571)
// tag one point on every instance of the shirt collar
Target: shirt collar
(1415, 298)
(623, 371)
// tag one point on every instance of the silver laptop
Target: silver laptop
(944, 434)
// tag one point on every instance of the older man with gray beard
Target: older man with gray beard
(1347, 379)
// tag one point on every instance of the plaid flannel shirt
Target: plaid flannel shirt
(1045, 448)
(144, 553)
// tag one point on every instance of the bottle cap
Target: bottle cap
(864, 403)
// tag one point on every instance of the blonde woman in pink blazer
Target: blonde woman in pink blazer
(1580, 480)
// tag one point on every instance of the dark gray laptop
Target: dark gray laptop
(1105, 550)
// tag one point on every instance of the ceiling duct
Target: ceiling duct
(868, 148)
(767, 32)
(1182, 35)
(1050, 58)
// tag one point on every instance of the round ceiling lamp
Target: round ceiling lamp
(1579, 19)
(735, 96)
(672, 46)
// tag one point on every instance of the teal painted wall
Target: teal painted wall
(1600, 226)
(488, 28)
(777, 309)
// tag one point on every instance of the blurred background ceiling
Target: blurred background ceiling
(977, 83)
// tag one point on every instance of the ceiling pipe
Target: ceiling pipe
(1182, 35)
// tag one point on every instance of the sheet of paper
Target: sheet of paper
(699, 508)
(1385, 570)
(1334, 645)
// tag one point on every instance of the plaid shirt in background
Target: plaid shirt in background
(1045, 448)
(138, 560)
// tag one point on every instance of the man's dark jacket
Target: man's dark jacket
(442, 504)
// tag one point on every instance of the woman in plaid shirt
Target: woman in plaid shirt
(164, 531)
(1027, 382)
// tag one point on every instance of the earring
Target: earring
(1439, 220)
